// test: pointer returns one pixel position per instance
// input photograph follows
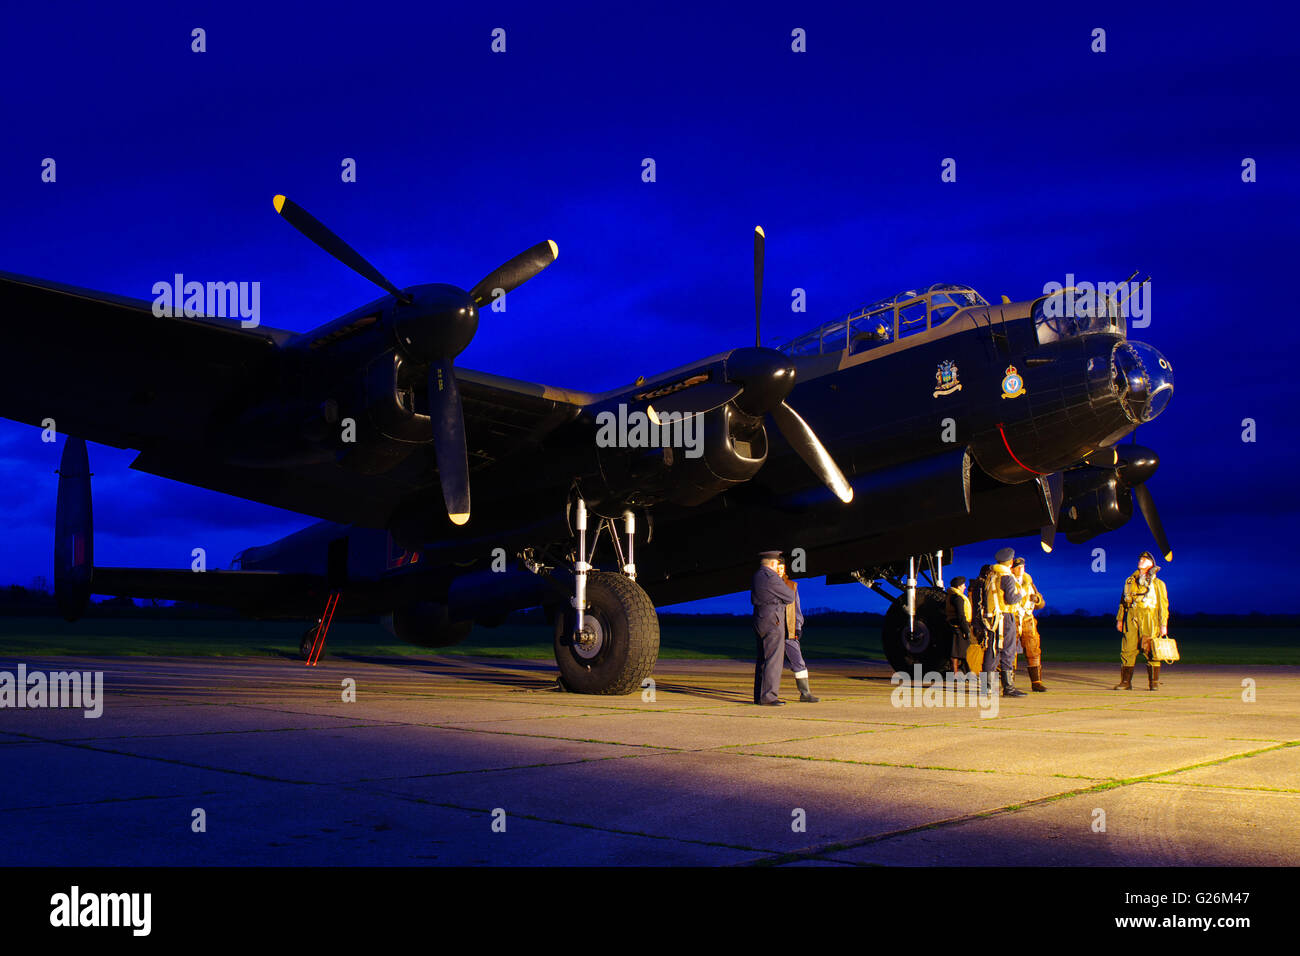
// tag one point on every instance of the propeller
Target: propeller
(1133, 465)
(758, 380)
(1136, 465)
(434, 324)
(1054, 489)
(319, 233)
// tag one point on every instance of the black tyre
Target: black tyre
(621, 638)
(930, 642)
(308, 639)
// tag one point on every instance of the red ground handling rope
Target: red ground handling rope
(322, 629)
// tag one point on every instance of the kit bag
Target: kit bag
(1164, 649)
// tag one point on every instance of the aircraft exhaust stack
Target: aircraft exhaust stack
(74, 536)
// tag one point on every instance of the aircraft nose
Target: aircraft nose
(1144, 379)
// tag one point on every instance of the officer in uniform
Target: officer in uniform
(1143, 616)
(1002, 596)
(770, 597)
(793, 634)
(957, 610)
(1030, 641)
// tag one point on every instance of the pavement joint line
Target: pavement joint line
(209, 733)
(169, 760)
(839, 846)
(317, 783)
(1121, 733)
(590, 826)
(915, 766)
(1226, 786)
(108, 800)
(526, 766)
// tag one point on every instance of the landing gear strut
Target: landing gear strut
(608, 642)
(916, 628)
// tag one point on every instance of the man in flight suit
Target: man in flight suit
(1000, 607)
(770, 596)
(1143, 616)
(1027, 627)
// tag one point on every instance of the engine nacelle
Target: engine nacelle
(388, 428)
(1094, 502)
(686, 462)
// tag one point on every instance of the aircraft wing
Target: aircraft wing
(502, 417)
(105, 368)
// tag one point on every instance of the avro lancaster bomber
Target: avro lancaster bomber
(926, 421)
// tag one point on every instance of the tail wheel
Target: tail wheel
(619, 644)
(928, 643)
(308, 640)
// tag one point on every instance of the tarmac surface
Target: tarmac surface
(437, 756)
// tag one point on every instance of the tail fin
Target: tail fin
(74, 534)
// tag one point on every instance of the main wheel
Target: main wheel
(619, 643)
(928, 644)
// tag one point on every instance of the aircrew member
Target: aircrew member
(793, 634)
(770, 596)
(1001, 599)
(1143, 616)
(1030, 640)
(957, 610)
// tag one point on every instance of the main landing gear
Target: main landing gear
(915, 629)
(607, 642)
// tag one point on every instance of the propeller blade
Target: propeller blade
(1147, 505)
(449, 439)
(760, 241)
(812, 451)
(511, 275)
(319, 233)
(693, 401)
(1056, 494)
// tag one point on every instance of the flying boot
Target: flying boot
(805, 695)
(1125, 679)
(1153, 676)
(1036, 679)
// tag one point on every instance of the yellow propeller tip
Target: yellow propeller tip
(1047, 548)
(459, 519)
(758, 230)
(278, 202)
(652, 414)
(846, 496)
(555, 249)
(1169, 556)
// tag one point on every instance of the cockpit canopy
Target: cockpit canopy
(886, 321)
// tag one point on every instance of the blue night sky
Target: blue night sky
(1067, 161)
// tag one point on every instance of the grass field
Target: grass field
(26, 637)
